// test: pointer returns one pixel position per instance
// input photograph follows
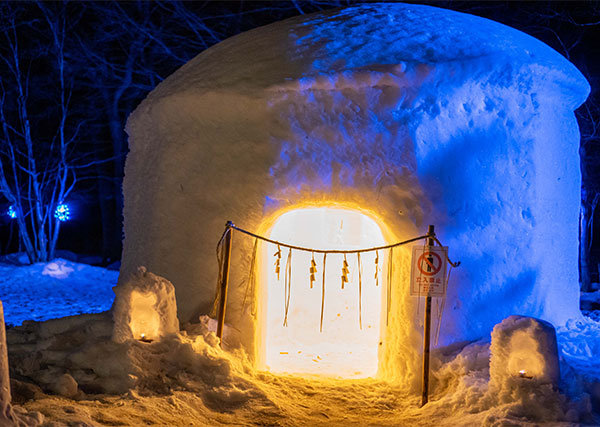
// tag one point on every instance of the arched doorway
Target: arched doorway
(350, 338)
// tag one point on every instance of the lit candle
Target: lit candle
(523, 374)
(144, 338)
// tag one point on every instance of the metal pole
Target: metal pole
(224, 279)
(427, 334)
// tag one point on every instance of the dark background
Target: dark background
(116, 52)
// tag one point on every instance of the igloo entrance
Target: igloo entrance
(347, 343)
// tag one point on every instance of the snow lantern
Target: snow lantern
(523, 347)
(348, 128)
(145, 308)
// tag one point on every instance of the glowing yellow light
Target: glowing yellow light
(144, 316)
(343, 348)
(524, 356)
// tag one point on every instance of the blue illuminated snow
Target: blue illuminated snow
(403, 35)
(54, 289)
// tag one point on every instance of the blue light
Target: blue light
(62, 212)
(11, 212)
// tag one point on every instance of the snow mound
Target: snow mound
(55, 289)
(59, 269)
(186, 377)
(59, 353)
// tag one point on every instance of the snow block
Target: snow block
(144, 308)
(414, 114)
(525, 349)
(8, 415)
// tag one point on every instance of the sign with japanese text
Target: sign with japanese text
(428, 271)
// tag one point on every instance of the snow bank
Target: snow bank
(57, 269)
(414, 114)
(187, 378)
(76, 356)
(34, 292)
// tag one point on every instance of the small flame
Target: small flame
(522, 373)
(144, 336)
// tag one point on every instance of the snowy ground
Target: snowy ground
(56, 289)
(188, 380)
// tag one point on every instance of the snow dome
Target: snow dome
(351, 128)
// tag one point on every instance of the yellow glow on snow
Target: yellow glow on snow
(525, 356)
(145, 322)
(342, 349)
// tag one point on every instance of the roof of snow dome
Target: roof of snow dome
(374, 37)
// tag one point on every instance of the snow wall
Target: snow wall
(413, 114)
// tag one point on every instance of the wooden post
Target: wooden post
(427, 334)
(224, 279)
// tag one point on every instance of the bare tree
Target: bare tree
(38, 169)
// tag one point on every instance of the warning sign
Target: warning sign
(428, 271)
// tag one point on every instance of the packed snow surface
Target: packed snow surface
(69, 372)
(54, 289)
(187, 379)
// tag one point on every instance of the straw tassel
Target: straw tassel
(359, 290)
(220, 258)
(313, 270)
(389, 285)
(345, 272)
(376, 268)
(288, 285)
(250, 286)
(277, 261)
(323, 291)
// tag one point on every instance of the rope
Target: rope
(419, 286)
(288, 271)
(453, 264)
(251, 280)
(288, 286)
(220, 256)
(389, 285)
(441, 308)
(359, 291)
(329, 251)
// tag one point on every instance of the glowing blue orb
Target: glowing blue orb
(62, 212)
(11, 212)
